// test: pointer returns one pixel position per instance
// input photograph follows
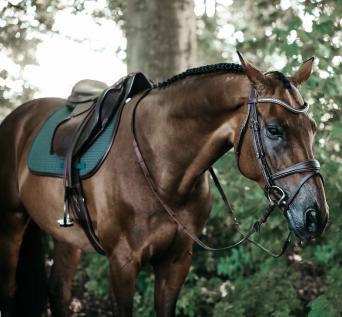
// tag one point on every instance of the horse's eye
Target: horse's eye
(274, 131)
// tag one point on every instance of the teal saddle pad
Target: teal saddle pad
(42, 162)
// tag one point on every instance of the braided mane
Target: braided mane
(227, 67)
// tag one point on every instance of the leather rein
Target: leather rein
(276, 195)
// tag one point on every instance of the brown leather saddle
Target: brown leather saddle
(92, 105)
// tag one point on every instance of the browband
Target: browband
(304, 107)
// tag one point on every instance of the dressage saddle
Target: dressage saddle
(92, 106)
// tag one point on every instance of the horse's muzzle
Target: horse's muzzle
(308, 225)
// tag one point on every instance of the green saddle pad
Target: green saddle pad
(42, 162)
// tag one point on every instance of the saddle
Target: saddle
(92, 106)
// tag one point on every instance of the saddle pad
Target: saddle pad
(42, 162)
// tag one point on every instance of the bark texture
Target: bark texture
(161, 37)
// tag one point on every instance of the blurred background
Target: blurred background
(46, 46)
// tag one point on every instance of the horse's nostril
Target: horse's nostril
(311, 220)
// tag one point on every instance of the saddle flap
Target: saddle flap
(66, 132)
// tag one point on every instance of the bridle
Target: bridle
(276, 195)
(274, 192)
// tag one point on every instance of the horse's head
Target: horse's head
(286, 139)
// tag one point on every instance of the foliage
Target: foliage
(97, 270)
(333, 292)
(321, 307)
(279, 285)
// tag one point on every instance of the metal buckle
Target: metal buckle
(277, 192)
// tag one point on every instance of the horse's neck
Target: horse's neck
(186, 127)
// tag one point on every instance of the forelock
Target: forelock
(281, 77)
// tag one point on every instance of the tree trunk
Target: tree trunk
(161, 37)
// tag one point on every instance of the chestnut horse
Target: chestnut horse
(183, 126)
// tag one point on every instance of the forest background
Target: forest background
(278, 34)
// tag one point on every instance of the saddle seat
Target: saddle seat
(84, 91)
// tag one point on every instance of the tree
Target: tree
(161, 37)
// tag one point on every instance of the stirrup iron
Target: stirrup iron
(66, 221)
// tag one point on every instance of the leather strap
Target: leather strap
(242, 132)
(254, 228)
(303, 181)
(307, 166)
(79, 206)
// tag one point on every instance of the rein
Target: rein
(276, 195)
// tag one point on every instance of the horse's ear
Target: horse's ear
(253, 73)
(303, 73)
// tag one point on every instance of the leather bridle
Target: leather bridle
(273, 191)
(277, 196)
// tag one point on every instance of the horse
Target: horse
(180, 128)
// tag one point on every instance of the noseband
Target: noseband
(276, 195)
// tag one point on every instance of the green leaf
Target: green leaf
(321, 307)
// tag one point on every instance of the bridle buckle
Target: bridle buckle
(276, 195)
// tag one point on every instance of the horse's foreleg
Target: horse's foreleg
(170, 276)
(65, 261)
(12, 228)
(123, 273)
